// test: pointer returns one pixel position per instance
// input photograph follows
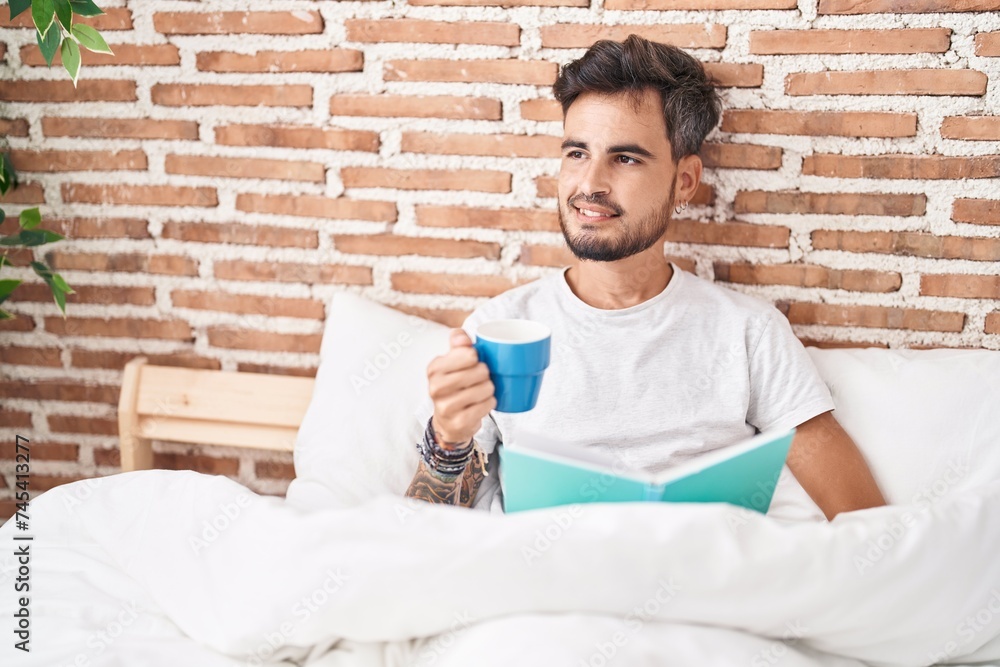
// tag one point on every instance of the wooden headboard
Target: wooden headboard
(206, 407)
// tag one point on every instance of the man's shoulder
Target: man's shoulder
(516, 302)
(712, 297)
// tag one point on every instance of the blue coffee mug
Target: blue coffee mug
(517, 354)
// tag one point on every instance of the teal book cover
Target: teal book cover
(541, 472)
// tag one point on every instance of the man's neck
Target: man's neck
(622, 284)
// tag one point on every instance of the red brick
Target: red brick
(902, 166)
(116, 360)
(503, 3)
(976, 211)
(107, 457)
(988, 44)
(113, 18)
(144, 195)
(509, 218)
(735, 75)
(448, 317)
(541, 110)
(22, 355)
(233, 232)
(690, 36)
(13, 127)
(119, 128)
(829, 203)
(905, 6)
(821, 123)
(961, 286)
(416, 106)
(313, 206)
(48, 482)
(918, 40)
(498, 145)
(433, 32)
(397, 245)
(840, 344)
(727, 233)
(54, 161)
(740, 156)
(203, 463)
(695, 5)
(19, 322)
(86, 425)
(205, 94)
(808, 275)
(426, 179)
(888, 82)
(274, 470)
(174, 265)
(53, 451)
(25, 193)
(913, 244)
(248, 304)
(239, 269)
(976, 128)
(237, 167)
(271, 369)
(530, 72)
(244, 339)
(444, 283)
(291, 136)
(299, 22)
(14, 418)
(58, 390)
(57, 90)
(119, 327)
(314, 60)
(993, 323)
(98, 294)
(147, 55)
(880, 317)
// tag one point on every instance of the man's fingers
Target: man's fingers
(469, 396)
(458, 338)
(454, 359)
(442, 385)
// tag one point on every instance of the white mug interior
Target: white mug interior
(513, 331)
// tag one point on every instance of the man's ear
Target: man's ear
(688, 177)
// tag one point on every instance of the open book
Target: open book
(541, 472)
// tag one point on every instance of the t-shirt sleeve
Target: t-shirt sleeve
(785, 387)
(488, 435)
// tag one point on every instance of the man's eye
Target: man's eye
(625, 159)
(574, 154)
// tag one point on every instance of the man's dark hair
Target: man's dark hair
(691, 105)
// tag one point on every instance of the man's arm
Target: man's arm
(828, 465)
(449, 489)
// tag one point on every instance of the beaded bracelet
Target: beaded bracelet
(449, 462)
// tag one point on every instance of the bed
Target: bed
(154, 567)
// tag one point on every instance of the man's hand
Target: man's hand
(460, 386)
(828, 465)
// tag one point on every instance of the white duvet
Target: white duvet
(180, 568)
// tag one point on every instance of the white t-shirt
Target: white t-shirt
(695, 368)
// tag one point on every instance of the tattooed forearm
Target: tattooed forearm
(448, 489)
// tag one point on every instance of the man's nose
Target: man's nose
(595, 179)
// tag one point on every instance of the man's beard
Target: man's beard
(630, 240)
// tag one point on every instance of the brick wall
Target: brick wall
(224, 173)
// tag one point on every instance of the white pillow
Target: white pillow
(357, 438)
(926, 421)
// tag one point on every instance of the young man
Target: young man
(648, 363)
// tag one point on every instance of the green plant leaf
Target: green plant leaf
(29, 238)
(3, 216)
(30, 218)
(43, 12)
(91, 39)
(6, 287)
(4, 315)
(61, 283)
(70, 53)
(8, 178)
(49, 44)
(18, 6)
(85, 8)
(65, 14)
(55, 283)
